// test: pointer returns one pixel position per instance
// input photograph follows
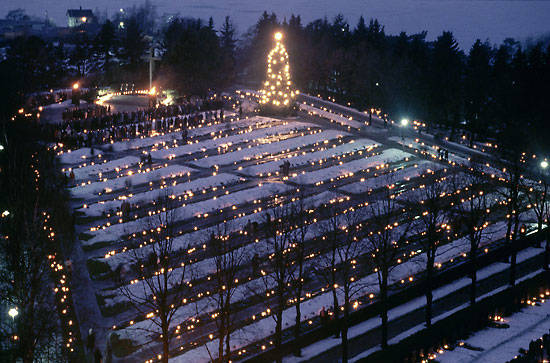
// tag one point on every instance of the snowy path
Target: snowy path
(316, 349)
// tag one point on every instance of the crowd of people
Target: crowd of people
(95, 124)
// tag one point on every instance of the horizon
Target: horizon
(468, 20)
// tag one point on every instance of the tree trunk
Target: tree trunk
(344, 329)
(513, 257)
(513, 262)
(473, 275)
(165, 346)
(221, 333)
(547, 253)
(429, 294)
(227, 338)
(297, 350)
(384, 312)
(335, 311)
(278, 333)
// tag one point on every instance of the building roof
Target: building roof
(80, 13)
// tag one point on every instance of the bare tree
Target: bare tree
(327, 267)
(278, 278)
(161, 283)
(473, 219)
(537, 194)
(302, 220)
(348, 253)
(432, 213)
(382, 242)
(228, 262)
(513, 175)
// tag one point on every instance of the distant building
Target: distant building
(11, 28)
(79, 17)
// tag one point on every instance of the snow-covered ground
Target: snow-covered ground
(96, 168)
(93, 189)
(187, 188)
(223, 142)
(334, 117)
(348, 169)
(405, 174)
(399, 311)
(246, 156)
(302, 157)
(269, 149)
(117, 231)
(502, 345)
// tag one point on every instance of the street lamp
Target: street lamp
(543, 164)
(1, 147)
(5, 213)
(404, 123)
(13, 312)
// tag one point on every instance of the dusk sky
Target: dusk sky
(495, 20)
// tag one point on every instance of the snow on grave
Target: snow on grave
(368, 284)
(409, 172)
(303, 157)
(269, 149)
(193, 186)
(345, 121)
(197, 238)
(228, 140)
(169, 137)
(75, 156)
(88, 191)
(348, 169)
(117, 231)
(90, 170)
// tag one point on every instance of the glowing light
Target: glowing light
(13, 312)
(84, 19)
(404, 122)
(76, 85)
(544, 164)
(153, 91)
(277, 90)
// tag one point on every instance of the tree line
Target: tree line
(488, 91)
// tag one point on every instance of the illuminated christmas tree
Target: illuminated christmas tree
(278, 93)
